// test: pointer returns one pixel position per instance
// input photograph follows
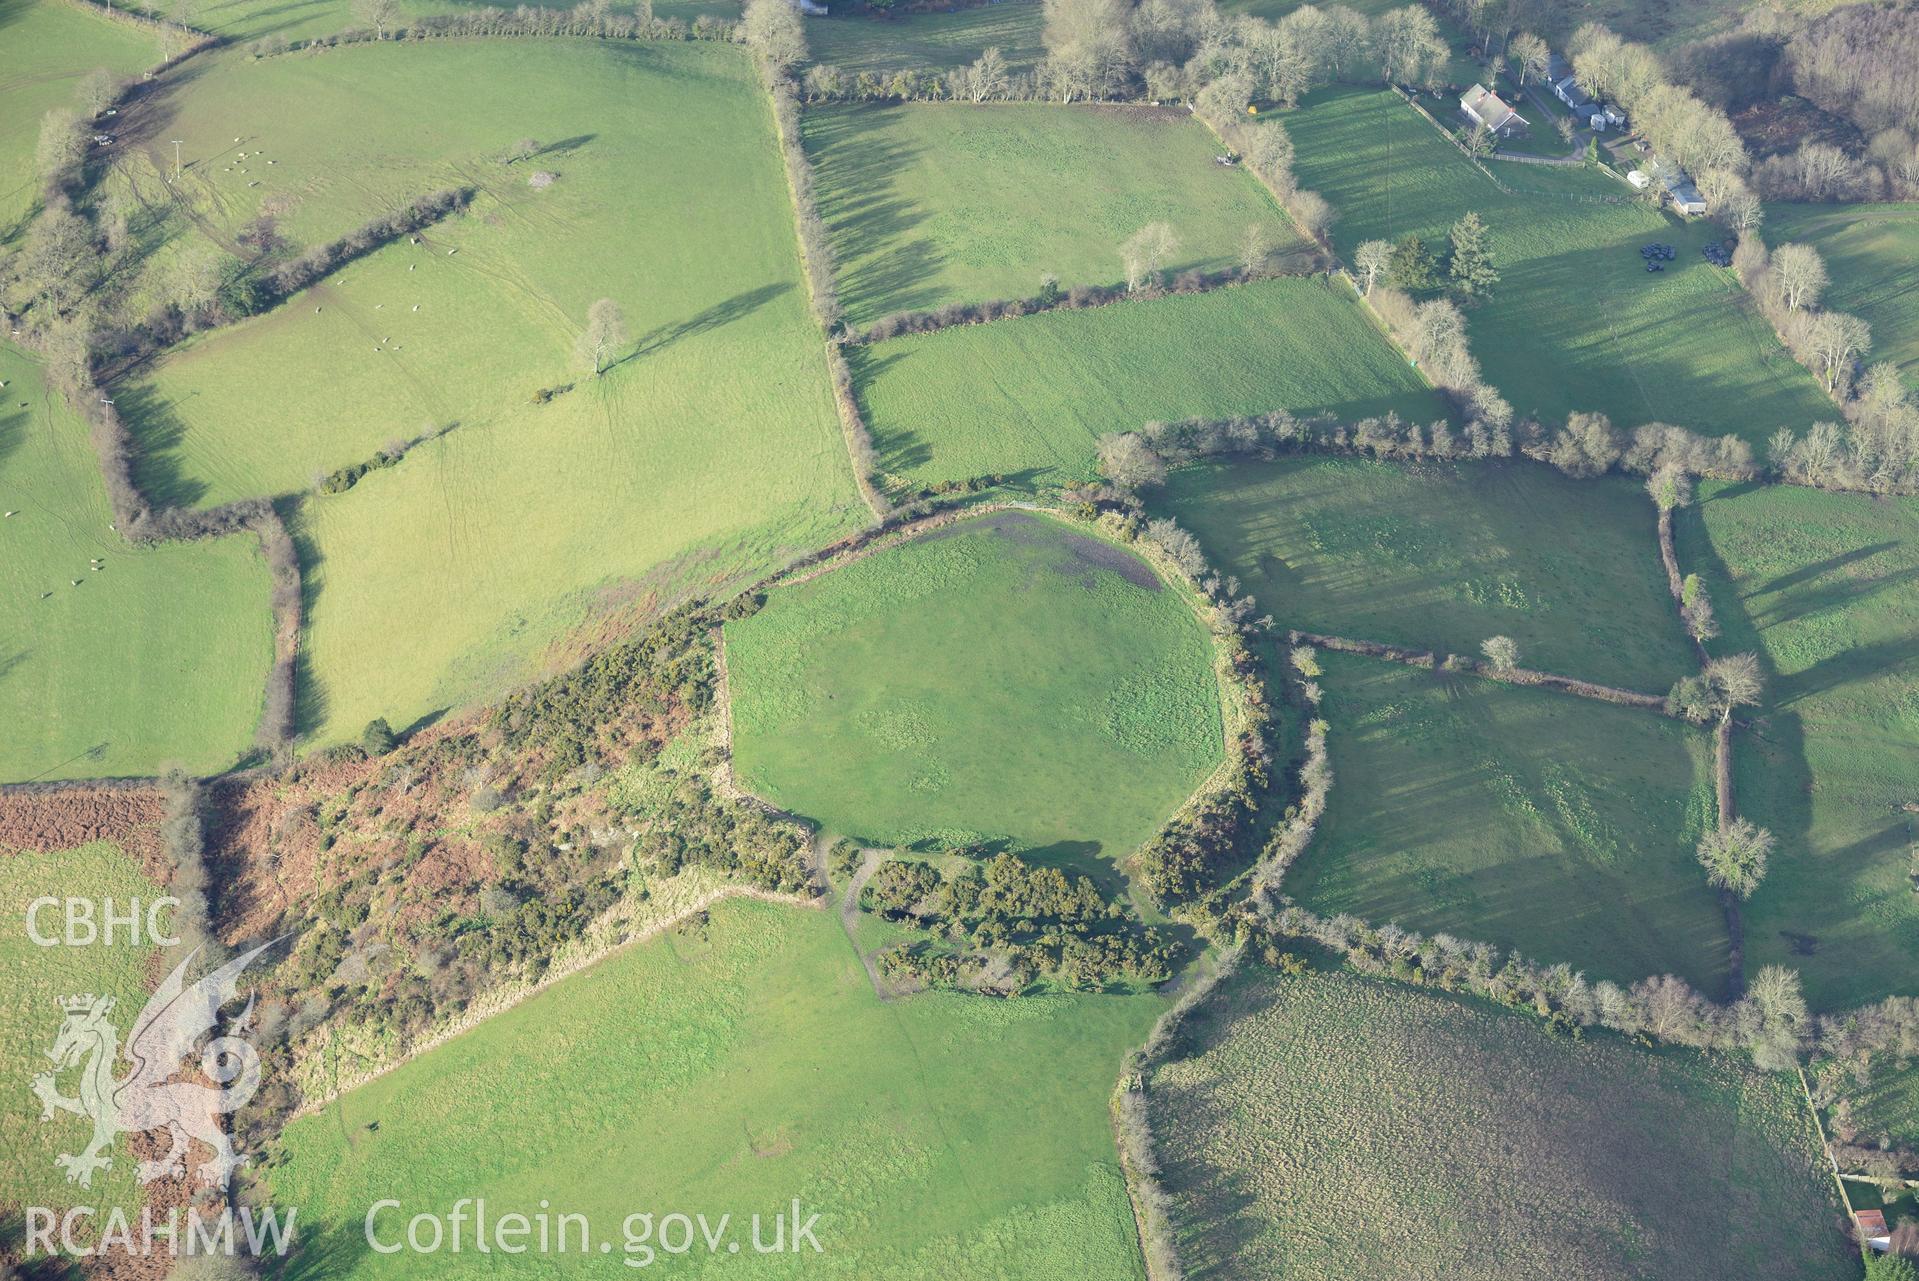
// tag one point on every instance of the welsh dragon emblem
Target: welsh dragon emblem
(146, 1098)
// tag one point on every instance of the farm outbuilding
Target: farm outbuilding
(1484, 107)
(1872, 1228)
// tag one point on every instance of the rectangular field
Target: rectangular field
(1575, 322)
(1555, 825)
(856, 42)
(1444, 555)
(1872, 252)
(940, 203)
(728, 1069)
(1027, 398)
(1825, 588)
(709, 450)
(1336, 1126)
(158, 657)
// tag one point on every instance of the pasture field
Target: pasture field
(1443, 555)
(1333, 1125)
(860, 43)
(46, 47)
(158, 657)
(37, 978)
(709, 451)
(1555, 825)
(1575, 322)
(1872, 252)
(729, 1070)
(1825, 588)
(1889, 1107)
(1004, 678)
(932, 204)
(1027, 398)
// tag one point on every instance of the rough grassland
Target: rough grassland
(158, 657)
(1007, 679)
(1443, 555)
(731, 1072)
(1576, 322)
(1336, 1126)
(709, 451)
(1027, 398)
(45, 49)
(1872, 252)
(1538, 821)
(30, 1018)
(1825, 587)
(934, 204)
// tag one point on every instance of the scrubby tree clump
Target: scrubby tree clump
(378, 738)
(1725, 684)
(1735, 856)
(1129, 462)
(1501, 651)
(775, 31)
(1670, 487)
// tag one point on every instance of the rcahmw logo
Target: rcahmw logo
(164, 1036)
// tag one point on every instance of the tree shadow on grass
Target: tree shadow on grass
(159, 468)
(715, 317)
(310, 702)
(886, 267)
(324, 1250)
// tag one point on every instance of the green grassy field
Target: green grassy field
(45, 49)
(1576, 322)
(37, 978)
(1889, 1107)
(1825, 587)
(1872, 252)
(861, 43)
(731, 1073)
(1027, 398)
(709, 451)
(1337, 1126)
(159, 657)
(933, 204)
(975, 684)
(1555, 825)
(1444, 555)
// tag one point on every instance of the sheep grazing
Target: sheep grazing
(12, 514)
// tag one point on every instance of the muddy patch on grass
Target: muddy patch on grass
(1080, 556)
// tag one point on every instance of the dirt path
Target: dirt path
(870, 861)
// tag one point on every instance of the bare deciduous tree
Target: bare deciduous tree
(1146, 253)
(605, 330)
(1371, 259)
(1798, 276)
